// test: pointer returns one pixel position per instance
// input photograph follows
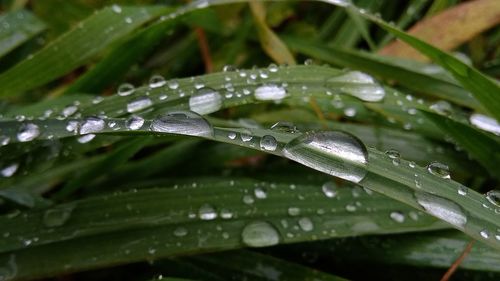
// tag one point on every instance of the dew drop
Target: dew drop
(306, 224)
(494, 197)
(485, 123)
(86, 138)
(57, 216)
(350, 208)
(69, 110)
(180, 232)
(125, 89)
(260, 234)
(28, 132)
(293, 211)
(135, 122)
(397, 217)
(358, 84)
(268, 143)
(439, 169)
(138, 104)
(284, 127)
(272, 67)
(9, 170)
(442, 208)
(334, 152)
(270, 92)
(207, 212)
(484, 233)
(441, 107)
(394, 156)
(92, 125)
(173, 84)
(116, 8)
(205, 100)
(231, 135)
(157, 81)
(329, 189)
(260, 193)
(462, 190)
(182, 123)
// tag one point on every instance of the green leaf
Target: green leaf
(17, 28)
(75, 47)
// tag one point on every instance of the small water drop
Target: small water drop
(439, 169)
(360, 85)
(350, 208)
(272, 67)
(28, 132)
(173, 84)
(268, 143)
(442, 107)
(180, 231)
(462, 190)
(306, 224)
(125, 89)
(231, 135)
(92, 125)
(260, 234)
(260, 193)
(138, 104)
(442, 208)
(157, 81)
(484, 233)
(329, 189)
(205, 100)
(116, 8)
(334, 152)
(248, 199)
(57, 216)
(394, 156)
(207, 212)
(183, 123)
(293, 211)
(86, 138)
(397, 217)
(270, 92)
(494, 197)
(226, 214)
(135, 122)
(69, 110)
(284, 127)
(9, 170)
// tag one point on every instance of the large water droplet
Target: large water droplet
(205, 100)
(135, 122)
(485, 123)
(270, 92)
(439, 169)
(260, 234)
(207, 212)
(336, 153)
(494, 197)
(442, 208)
(183, 123)
(268, 143)
(57, 216)
(358, 84)
(28, 132)
(138, 104)
(92, 125)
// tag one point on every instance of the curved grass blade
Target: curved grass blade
(18, 27)
(209, 215)
(84, 41)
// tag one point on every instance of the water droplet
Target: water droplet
(306, 224)
(180, 231)
(260, 234)
(205, 100)
(397, 217)
(268, 143)
(494, 197)
(270, 92)
(125, 89)
(135, 122)
(207, 212)
(28, 132)
(183, 123)
(157, 81)
(441, 107)
(485, 123)
(231, 135)
(139, 104)
(116, 8)
(246, 137)
(484, 233)
(358, 84)
(4, 140)
(462, 190)
(173, 84)
(438, 169)
(272, 67)
(341, 3)
(9, 170)
(336, 153)
(329, 189)
(57, 216)
(260, 193)
(293, 211)
(394, 156)
(69, 110)
(350, 208)
(85, 138)
(442, 208)
(248, 199)
(284, 127)
(92, 125)
(226, 214)
(128, 20)
(350, 112)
